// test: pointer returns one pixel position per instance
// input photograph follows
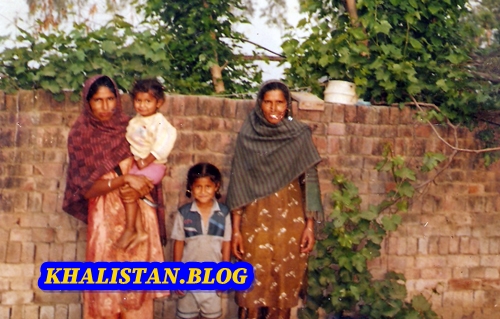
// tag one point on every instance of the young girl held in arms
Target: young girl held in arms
(202, 232)
(151, 139)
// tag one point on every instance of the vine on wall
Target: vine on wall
(339, 280)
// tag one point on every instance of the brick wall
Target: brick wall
(448, 245)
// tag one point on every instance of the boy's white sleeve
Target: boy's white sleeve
(166, 135)
(227, 229)
(178, 228)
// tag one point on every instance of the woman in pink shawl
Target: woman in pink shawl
(95, 193)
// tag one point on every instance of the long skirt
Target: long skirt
(106, 224)
(272, 228)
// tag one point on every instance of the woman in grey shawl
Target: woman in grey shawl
(274, 198)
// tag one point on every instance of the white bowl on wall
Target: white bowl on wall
(342, 92)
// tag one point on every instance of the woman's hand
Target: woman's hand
(307, 240)
(128, 194)
(140, 184)
(237, 245)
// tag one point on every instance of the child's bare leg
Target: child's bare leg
(130, 232)
(248, 313)
(141, 234)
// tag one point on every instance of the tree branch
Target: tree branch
(455, 148)
(262, 58)
(263, 48)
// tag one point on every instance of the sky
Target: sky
(12, 11)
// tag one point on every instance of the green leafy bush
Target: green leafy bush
(395, 50)
(339, 281)
(62, 60)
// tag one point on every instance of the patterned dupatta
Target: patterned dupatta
(270, 156)
(94, 148)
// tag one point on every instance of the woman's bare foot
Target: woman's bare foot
(126, 238)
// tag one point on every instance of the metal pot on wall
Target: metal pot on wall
(342, 92)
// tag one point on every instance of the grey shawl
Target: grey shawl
(270, 156)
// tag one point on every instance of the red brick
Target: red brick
(336, 129)
(44, 235)
(433, 273)
(46, 312)
(368, 115)
(229, 108)
(49, 203)
(460, 272)
(17, 270)
(56, 251)
(309, 115)
(17, 297)
(338, 113)
(454, 244)
(30, 311)
(21, 234)
(28, 252)
(394, 115)
(243, 108)
(210, 106)
(320, 142)
(184, 141)
(406, 116)
(66, 235)
(11, 103)
(177, 105)
(13, 255)
(200, 141)
(61, 312)
(75, 311)
(404, 131)
(327, 113)
(350, 114)
(127, 104)
(34, 201)
(423, 131)
(191, 107)
(2, 100)
(333, 145)
(51, 118)
(464, 284)
(56, 297)
(81, 251)
(223, 143)
(69, 252)
(430, 261)
(166, 107)
(465, 261)
(219, 124)
(20, 283)
(202, 124)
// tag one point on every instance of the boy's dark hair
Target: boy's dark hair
(148, 85)
(203, 170)
(102, 81)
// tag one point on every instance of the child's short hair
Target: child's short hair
(203, 170)
(148, 85)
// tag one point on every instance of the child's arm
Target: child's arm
(165, 136)
(145, 161)
(178, 250)
(226, 243)
(226, 250)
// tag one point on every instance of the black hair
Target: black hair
(146, 86)
(203, 170)
(102, 81)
